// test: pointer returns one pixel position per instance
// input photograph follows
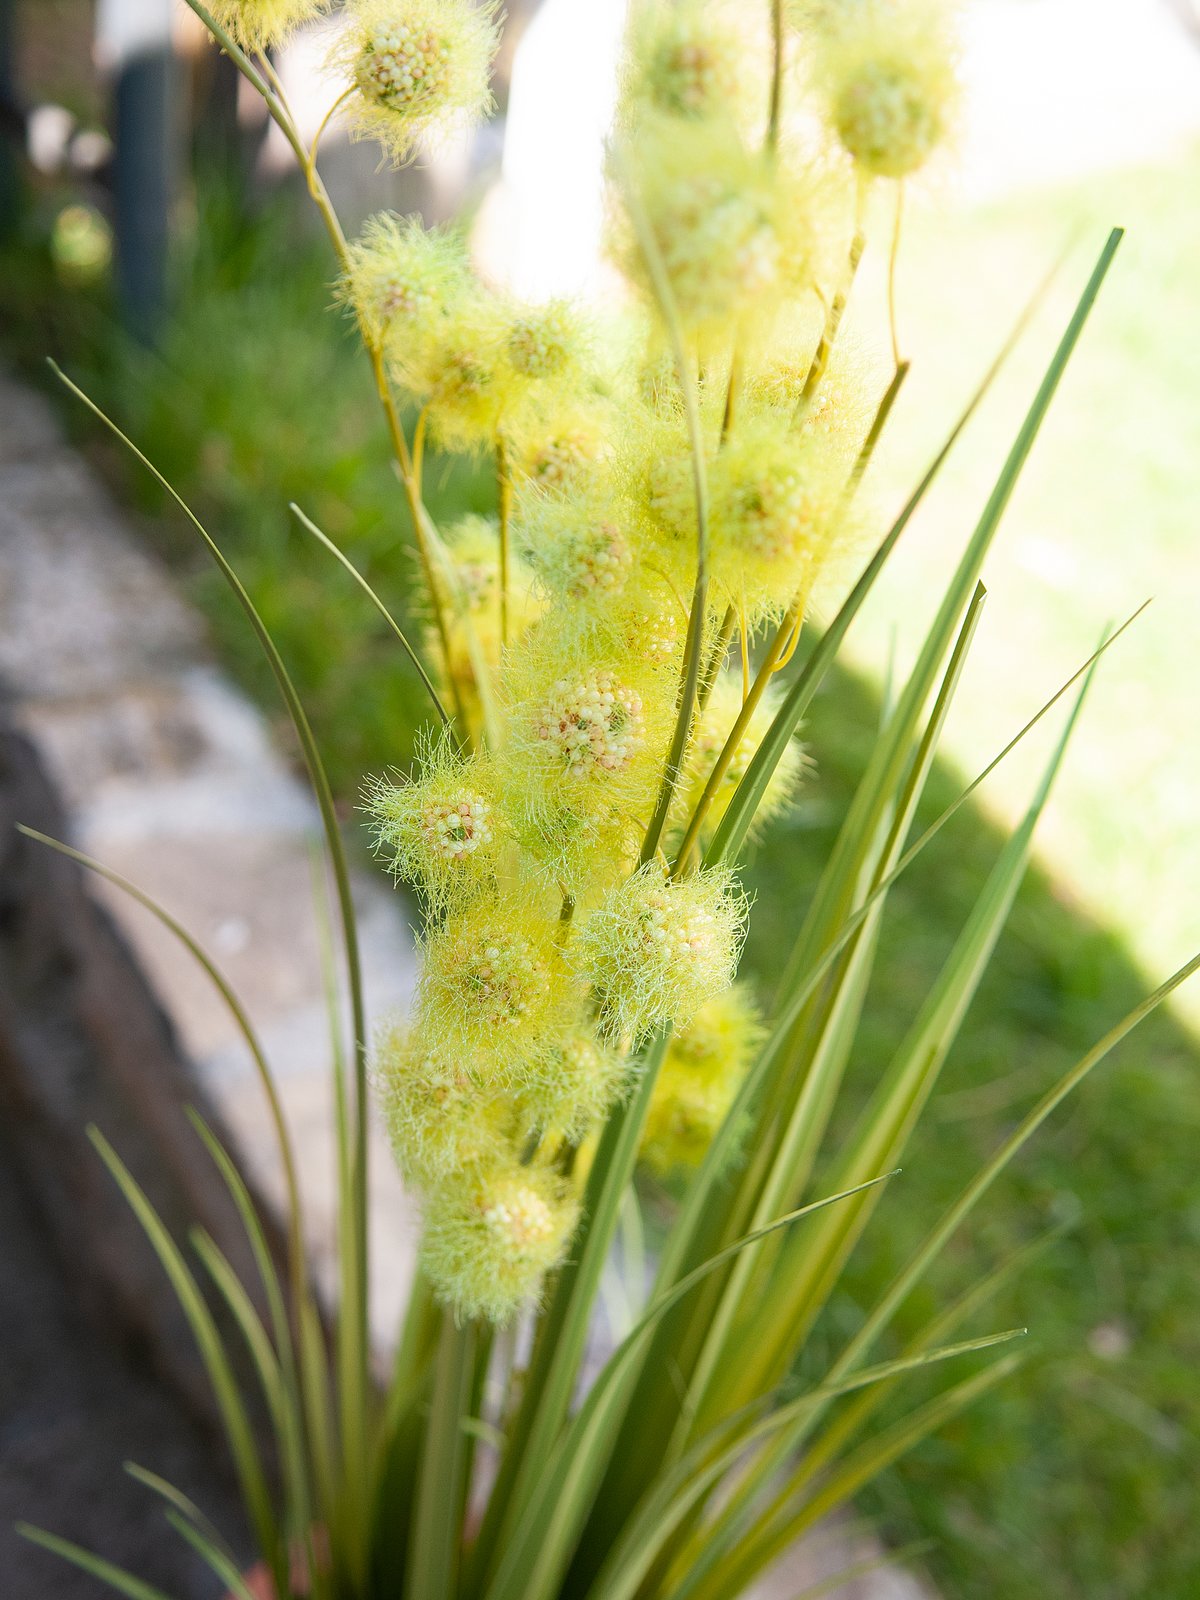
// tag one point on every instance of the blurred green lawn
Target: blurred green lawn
(1078, 1479)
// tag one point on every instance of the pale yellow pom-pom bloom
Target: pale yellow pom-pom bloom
(491, 1237)
(258, 24)
(415, 68)
(656, 949)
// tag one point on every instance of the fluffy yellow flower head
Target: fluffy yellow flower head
(581, 546)
(491, 1239)
(560, 443)
(698, 1081)
(466, 383)
(494, 992)
(441, 829)
(259, 24)
(439, 1118)
(717, 723)
(473, 549)
(711, 205)
(656, 950)
(775, 514)
(687, 60)
(590, 725)
(416, 68)
(546, 342)
(586, 729)
(401, 278)
(887, 72)
(582, 1080)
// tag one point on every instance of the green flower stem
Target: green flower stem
(893, 259)
(772, 662)
(694, 642)
(504, 496)
(276, 104)
(776, 102)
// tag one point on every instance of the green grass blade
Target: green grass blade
(830, 902)
(192, 1525)
(251, 1477)
(801, 1286)
(775, 1534)
(562, 1337)
(441, 1485)
(337, 856)
(1011, 1147)
(535, 1558)
(180, 1501)
(819, 1075)
(241, 1020)
(215, 1559)
(724, 1534)
(340, 555)
(674, 1495)
(281, 1399)
(260, 1249)
(693, 650)
(103, 1571)
(863, 1569)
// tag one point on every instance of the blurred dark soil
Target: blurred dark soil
(74, 1406)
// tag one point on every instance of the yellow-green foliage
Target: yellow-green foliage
(886, 69)
(558, 626)
(259, 24)
(414, 69)
(700, 1077)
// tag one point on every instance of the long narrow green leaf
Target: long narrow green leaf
(803, 1129)
(213, 1557)
(236, 1010)
(323, 539)
(175, 1497)
(725, 1533)
(799, 1291)
(562, 1337)
(103, 1571)
(280, 1397)
(437, 1532)
(252, 1223)
(678, 1490)
(886, 1560)
(239, 1433)
(186, 1517)
(735, 824)
(356, 1397)
(536, 1556)
(767, 1542)
(882, 1314)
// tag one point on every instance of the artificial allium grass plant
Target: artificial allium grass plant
(618, 663)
